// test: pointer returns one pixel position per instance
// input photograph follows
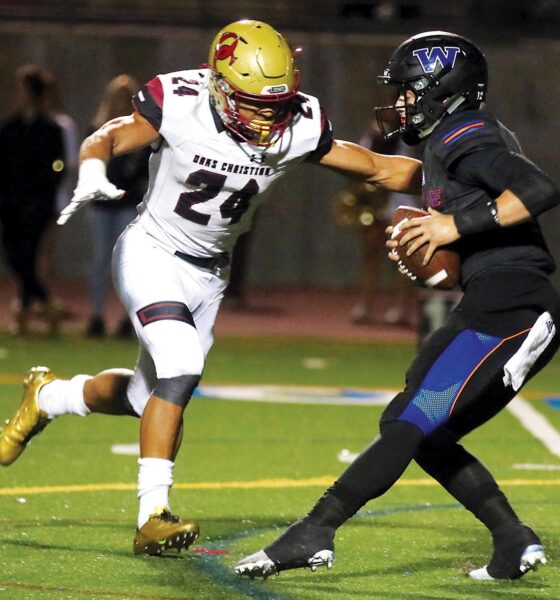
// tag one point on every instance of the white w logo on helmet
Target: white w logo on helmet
(430, 57)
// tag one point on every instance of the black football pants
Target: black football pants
(453, 386)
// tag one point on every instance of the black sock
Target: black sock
(376, 469)
(335, 506)
(467, 480)
(496, 511)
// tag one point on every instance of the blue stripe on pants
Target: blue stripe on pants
(432, 403)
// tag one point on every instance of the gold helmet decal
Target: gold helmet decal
(254, 81)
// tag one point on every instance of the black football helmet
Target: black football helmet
(445, 71)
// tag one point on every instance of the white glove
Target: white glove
(92, 185)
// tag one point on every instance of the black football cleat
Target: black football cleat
(305, 544)
(517, 550)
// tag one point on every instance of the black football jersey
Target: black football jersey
(521, 246)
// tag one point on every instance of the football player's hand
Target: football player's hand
(391, 244)
(92, 185)
(436, 230)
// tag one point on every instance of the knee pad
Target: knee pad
(174, 347)
(177, 390)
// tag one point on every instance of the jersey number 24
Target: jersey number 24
(209, 185)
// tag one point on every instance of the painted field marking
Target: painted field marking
(260, 484)
(8, 378)
(535, 467)
(311, 362)
(69, 592)
(553, 402)
(301, 394)
(126, 449)
(530, 418)
(347, 456)
(285, 394)
(536, 424)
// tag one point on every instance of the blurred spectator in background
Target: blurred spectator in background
(31, 168)
(108, 219)
(369, 210)
(54, 106)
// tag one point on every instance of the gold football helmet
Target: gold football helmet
(254, 81)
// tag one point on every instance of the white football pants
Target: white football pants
(147, 275)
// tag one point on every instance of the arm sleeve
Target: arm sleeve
(496, 169)
(149, 102)
(325, 141)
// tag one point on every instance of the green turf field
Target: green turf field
(245, 471)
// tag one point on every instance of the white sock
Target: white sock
(155, 478)
(64, 397)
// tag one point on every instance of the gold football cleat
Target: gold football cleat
(163, 531)
(28, 420)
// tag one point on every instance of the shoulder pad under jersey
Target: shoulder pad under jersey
(462, 133)
(150, 99)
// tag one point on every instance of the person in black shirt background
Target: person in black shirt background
(483, 196)
(31, 167)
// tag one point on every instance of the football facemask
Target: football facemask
(253, 81)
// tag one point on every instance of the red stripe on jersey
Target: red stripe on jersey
(325, 142)
(156, 90)
(457, 133)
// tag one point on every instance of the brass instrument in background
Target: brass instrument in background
(360, 205)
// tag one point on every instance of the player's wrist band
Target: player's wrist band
(477, 219)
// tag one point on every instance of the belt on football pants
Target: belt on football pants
(212, 263)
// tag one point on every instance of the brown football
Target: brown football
(444, 269)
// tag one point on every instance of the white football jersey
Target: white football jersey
(204, 184)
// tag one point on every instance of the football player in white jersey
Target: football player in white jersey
(220, 135)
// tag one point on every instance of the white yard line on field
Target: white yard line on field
(536, 424)
(535, 467)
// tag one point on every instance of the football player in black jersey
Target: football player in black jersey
(484, 197)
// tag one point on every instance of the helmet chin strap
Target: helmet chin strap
(453, 106)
